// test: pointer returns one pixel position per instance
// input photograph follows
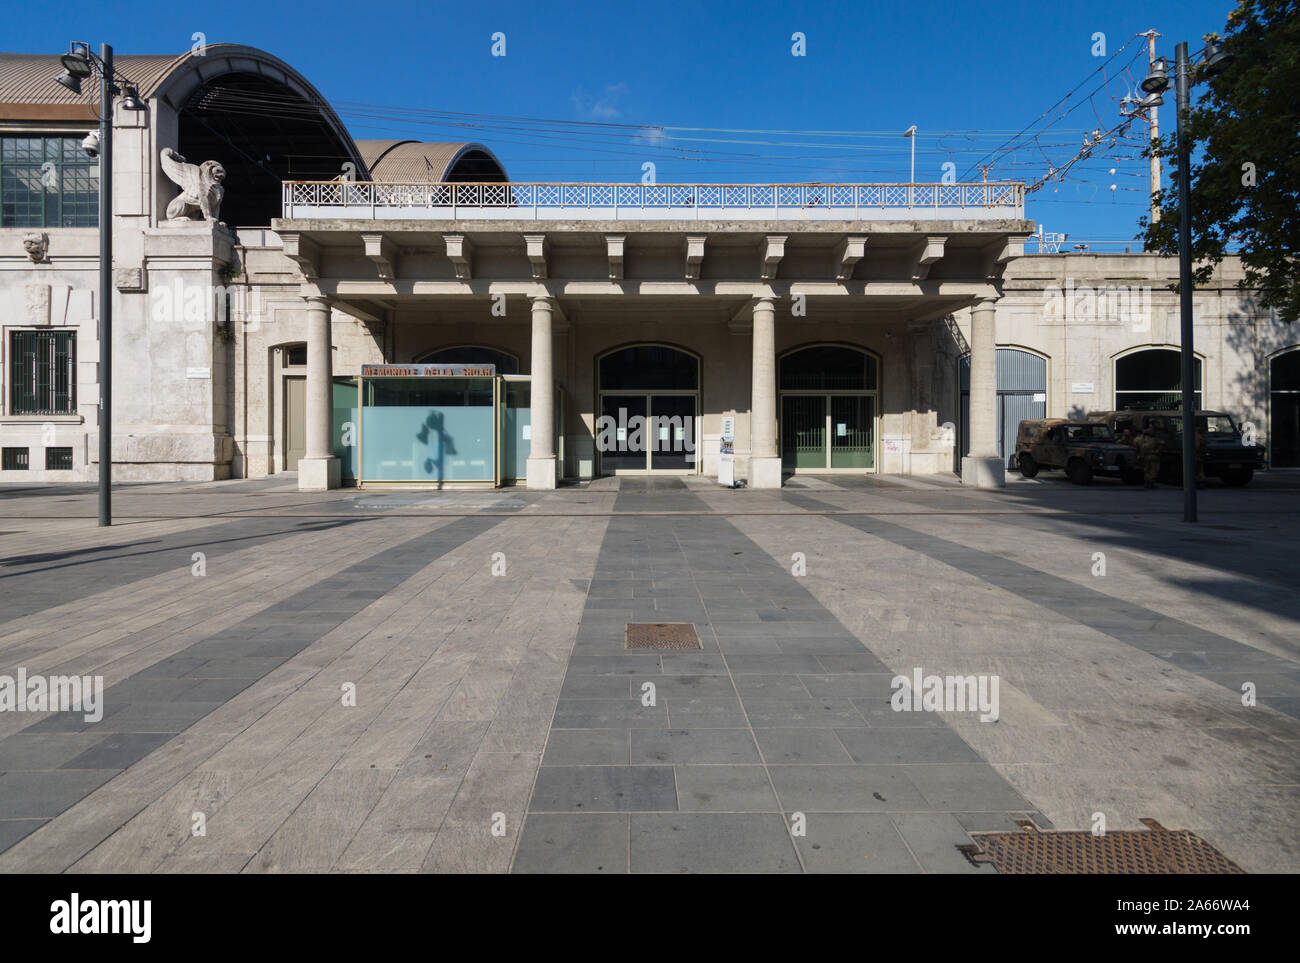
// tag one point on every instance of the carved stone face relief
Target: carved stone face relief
(37, 246)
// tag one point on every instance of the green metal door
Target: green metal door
(852, 427)
(803, 431)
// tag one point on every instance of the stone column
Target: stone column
(318, 469)
(541, 451)
(764, 461)
(983, 467)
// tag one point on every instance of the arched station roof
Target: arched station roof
(414, 161)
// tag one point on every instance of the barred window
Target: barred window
(14, 459)
(43, 373)
(47, 181)
(58, 459)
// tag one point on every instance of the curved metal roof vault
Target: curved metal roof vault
(28, 90)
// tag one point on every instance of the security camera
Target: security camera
(90, 145)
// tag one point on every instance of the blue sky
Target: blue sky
(710, 91)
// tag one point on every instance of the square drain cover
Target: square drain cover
(1154, 850)
(662, 635)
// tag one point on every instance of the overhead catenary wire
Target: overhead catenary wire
(738, 151)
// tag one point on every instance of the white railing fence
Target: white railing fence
(649, 201)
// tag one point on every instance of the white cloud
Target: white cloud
(604, 107)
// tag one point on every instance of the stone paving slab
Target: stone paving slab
(500, 723)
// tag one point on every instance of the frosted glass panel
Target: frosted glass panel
(517, 433)
(518, 443)
(345, 428)
(427, 444)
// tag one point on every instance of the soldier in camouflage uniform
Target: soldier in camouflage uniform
(1149, 446)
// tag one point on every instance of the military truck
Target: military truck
(1227, 456)
(1082, 449)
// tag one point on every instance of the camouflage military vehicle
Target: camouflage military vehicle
(1227, 457)
(1082, 449)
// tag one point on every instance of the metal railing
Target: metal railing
(666, 202)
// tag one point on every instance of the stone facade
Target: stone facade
(199, 392)
(206, 317)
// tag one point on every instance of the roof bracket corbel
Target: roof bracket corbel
(615, 244)
(536, 246)
(773, 251)
(383, 253)
(304, 252)
(926, 253)
(847, 255)
(460, 251)
(694, 255)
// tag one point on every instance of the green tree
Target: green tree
(1245, 139)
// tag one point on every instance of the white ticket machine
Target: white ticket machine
(727, 452)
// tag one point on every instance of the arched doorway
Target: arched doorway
(648, 404)
(1022, 393)
(506, 363)
(1284, 409)
(828, 408)
(1152, 379)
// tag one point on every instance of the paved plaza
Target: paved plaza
(424, 681)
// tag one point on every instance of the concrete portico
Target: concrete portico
(560, 295)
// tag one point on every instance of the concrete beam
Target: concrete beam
(536, 245)
(559, 317)
(368, 311)
(773, 251)
(742, 322)
(460, 251)
(382, 252)
(694, 255)
(963, 291)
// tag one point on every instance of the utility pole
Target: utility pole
(1153, 121)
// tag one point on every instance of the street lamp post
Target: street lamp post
(106, 286)
(79, 63)
(910, 134)
(1215, 62)
(1187, 357)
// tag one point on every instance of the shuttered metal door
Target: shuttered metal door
(1022, 378)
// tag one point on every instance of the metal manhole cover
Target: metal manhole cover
(662, 635)
(1154, 850)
